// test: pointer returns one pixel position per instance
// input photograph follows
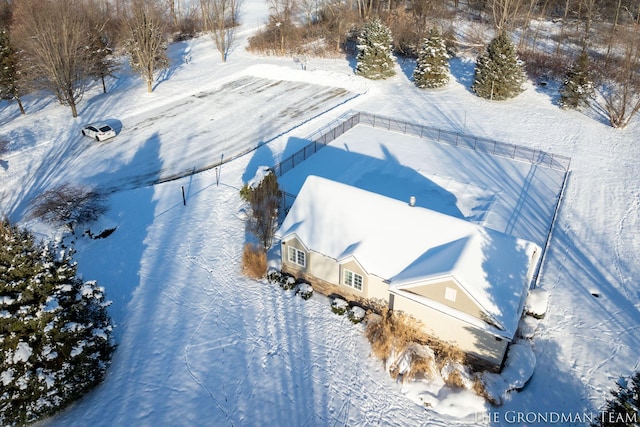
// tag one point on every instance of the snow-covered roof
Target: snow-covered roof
(408, 245)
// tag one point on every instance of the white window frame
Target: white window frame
(450, 294)
(349, 278)
(296, 256)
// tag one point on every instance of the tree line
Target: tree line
(593, 50)
(62, 46)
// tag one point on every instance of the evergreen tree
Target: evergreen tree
(375, 59)
(624, 409)
(102, 63)
(577, 88)
(55, 333)
(432, 66)
(499, 74)
(9, 74)
(263, 195)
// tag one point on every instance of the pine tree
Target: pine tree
(263, 195)
(624, 409)
(577, 88)
(102, 62)
(375, 59)
(9, 74)
(432, 66)
(55, 333)
(499, 74)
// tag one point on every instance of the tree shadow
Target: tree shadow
(115, 261)
(463, 71)
(178, 54)
(262, 156)
(407, 65)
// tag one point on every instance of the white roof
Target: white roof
(406, 245)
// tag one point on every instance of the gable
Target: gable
(448, 292)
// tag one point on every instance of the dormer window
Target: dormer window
(296, 256)
(352, 279)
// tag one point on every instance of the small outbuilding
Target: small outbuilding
(467, 284)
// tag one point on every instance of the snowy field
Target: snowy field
(199, 344)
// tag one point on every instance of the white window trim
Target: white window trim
(354, 274)
(293, 256)
(450, 294)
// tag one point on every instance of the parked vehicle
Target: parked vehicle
(99, 131)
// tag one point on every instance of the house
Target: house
(467, 284)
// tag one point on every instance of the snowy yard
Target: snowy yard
(199, 344)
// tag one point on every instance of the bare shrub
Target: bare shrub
(69, 205)
(543, 65)
(407, 36)
(254, 261)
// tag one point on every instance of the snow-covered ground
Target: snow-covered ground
(199, 344)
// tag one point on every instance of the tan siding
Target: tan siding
(284, 256)
(436, 292)
(377, 289)
(324, 268)
(451, 330)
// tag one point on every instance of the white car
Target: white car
(99, 131)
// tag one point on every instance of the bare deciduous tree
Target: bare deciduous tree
(146, 41)
(620, 84)
(53, 35)
(221, 18)
(281, 15)
(504, 12)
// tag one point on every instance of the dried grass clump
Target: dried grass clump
(455, 380)
(378, 332)
(448, 353)
(254, 261)
(422, 363)
(391, 331)
(479, 389)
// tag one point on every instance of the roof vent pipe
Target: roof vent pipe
(412, 201)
